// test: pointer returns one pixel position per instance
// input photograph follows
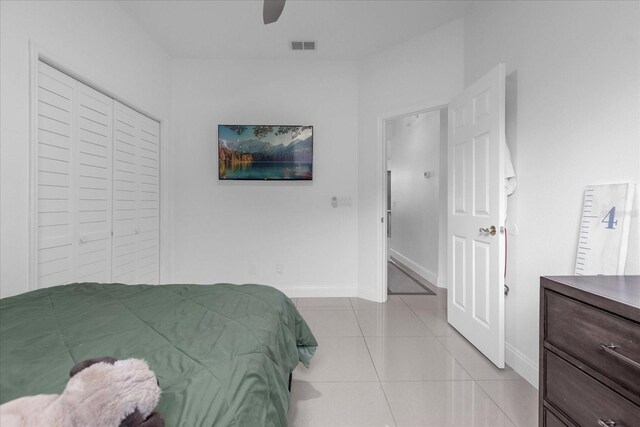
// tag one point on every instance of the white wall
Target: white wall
(414, 148)
(424, 71)
(98, 41)
(572, 120)
(225, 231)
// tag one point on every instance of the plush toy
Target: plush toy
(102, 392)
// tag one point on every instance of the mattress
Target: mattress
(222, 353)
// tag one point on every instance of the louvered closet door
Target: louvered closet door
(148, 201)
(55, 184)
(74, 149)
(136, 242)
(98, 183)
(125, 189)
(94, 178)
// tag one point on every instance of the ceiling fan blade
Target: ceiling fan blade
(271, 10)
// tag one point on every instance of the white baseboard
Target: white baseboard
(522, 365)
(442, 282)
(368, 294)
(304, 292)
(426, 274)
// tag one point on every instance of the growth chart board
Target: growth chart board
(604, 229)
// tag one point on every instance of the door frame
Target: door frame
(382, 243)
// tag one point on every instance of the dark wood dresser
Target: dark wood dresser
(590, 351)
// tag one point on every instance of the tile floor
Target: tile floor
(401, 364)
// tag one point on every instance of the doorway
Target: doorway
(415, 191)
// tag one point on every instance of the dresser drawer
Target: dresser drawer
(551, 420)
(584, 399)
(581, 330)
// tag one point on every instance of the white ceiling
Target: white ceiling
(343, 29)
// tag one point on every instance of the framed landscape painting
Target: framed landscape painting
(265, 152)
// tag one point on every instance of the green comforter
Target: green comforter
(222, 353)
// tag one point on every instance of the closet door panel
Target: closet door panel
(55, 186)
(149, 206)
(48, 138)
(125, 190)
(136, 242)
(124, 259)
(94, 194)
(52, 114)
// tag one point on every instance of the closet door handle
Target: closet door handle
(611, 349)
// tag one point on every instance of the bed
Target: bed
(223, 353)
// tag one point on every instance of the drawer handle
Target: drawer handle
(611, 349)
(609, 423)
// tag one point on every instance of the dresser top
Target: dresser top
(620, 291)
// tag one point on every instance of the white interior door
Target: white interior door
(476, 157)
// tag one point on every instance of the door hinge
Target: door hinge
(506, 289)
(382, 220)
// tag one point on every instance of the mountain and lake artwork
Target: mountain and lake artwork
(259, 152)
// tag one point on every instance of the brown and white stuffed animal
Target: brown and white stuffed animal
(102, 392)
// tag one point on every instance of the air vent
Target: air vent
(303, 45)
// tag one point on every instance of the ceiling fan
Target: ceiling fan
(271, 10)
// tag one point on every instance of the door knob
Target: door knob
(491, 230)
